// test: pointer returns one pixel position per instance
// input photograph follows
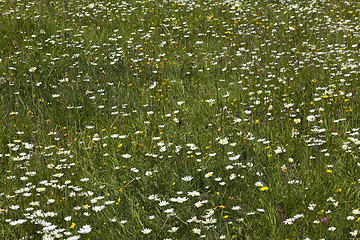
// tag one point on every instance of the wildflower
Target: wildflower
(310, 118)
(146, 231)
(196, 230)
(85, 229)
(170, 210)
(264, 189)
(289, 221)
(32, 69)
(187, 178)
(312, 206)
(210, 101)
(20, 221)
(72, 225)
(163, 203)
(198, 204)
(98, 208)
(35, 203)
(194, 193)
(224, 141)
(193, 219)
(209, 174)
(356, 211)
(76, 237)
(14, 207)
(354, 233)
(332, 229)
(173, 229)
(153, 197)
(58, 175)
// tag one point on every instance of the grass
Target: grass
(179, 119)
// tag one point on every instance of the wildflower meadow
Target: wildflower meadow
(179, 119)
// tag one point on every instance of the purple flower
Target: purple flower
(323, 220)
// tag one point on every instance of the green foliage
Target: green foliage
(179, 119)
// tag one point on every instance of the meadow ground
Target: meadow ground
(179, 119)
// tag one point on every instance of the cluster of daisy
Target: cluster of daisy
(179, 117)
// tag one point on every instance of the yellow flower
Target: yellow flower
(264, 189)
(72, 225)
